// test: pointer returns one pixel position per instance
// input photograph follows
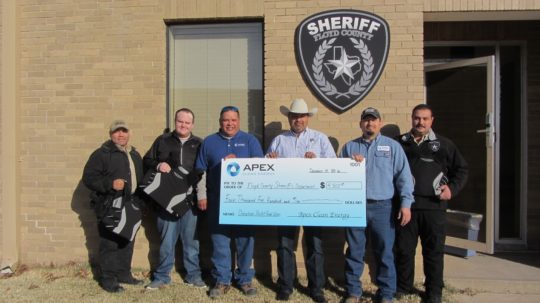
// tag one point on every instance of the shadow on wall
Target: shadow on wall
(271, 130)
(390, 130)
(335, 144)
(149, 227)
(80, 204)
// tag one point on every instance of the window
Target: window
(211, 66)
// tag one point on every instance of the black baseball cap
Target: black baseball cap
(370, 111)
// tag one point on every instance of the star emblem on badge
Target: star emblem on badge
(343, 65)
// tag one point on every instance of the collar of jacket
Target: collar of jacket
(409, 136)
(110, 147)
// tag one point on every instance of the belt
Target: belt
(370, 201)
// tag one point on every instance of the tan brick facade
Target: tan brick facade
(1, 212)
(82, 64)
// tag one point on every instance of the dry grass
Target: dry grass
(74, 282)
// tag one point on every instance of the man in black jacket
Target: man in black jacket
(171, 152)
(440, 172)
(113, 168)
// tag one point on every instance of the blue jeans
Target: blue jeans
(381, 230)
(171, 228)
(221, 235)
(221, 253)
(287, 260)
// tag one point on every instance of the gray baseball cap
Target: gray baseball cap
(117, 124)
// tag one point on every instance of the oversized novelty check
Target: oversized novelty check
(293, 191)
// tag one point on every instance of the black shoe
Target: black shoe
(131, 281)
(283, 295)
(432, 299)
(401, 294)
(113, 289)
(319, 297)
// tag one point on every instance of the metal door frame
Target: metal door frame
(492, 149)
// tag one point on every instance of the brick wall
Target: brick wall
(1, 183)
(84, 63)
(478, 5)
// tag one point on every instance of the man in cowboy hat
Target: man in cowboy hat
(300, 142)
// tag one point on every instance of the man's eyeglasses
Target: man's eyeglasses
(229, 108)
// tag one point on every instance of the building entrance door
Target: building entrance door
(461, 94)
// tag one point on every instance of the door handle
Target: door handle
(483, 131)
(489, 131)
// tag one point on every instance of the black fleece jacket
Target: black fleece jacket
(434, 155)
(106, 164)
(168, 148)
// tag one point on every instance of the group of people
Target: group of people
(409, 180)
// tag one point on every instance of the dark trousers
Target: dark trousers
(430, 226)
(115, 254)
(286, 258)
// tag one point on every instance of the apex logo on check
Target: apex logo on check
(233, 169)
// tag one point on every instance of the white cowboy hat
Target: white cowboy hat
(298, 106)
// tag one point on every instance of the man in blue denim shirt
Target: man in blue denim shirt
(228, 142)
(387, 171)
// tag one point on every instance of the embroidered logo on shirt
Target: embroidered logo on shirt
(434, 145)
(385, 148)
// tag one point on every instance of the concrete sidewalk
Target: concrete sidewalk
(503, 277)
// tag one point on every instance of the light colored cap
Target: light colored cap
(116, 124)
(298, 106)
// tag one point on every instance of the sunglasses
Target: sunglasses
(228, 109)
